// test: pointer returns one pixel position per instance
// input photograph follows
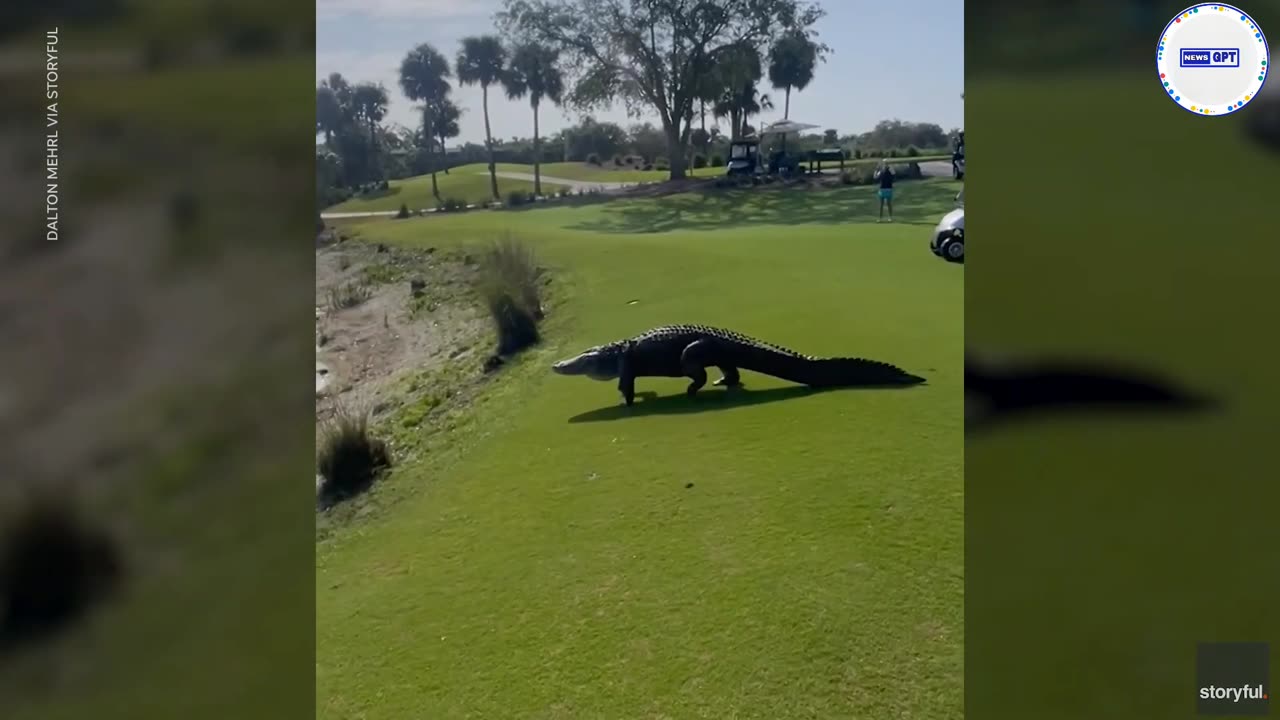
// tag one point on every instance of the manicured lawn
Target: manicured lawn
(467, 182)
(471, 182)
(607, 172)
(775, 553)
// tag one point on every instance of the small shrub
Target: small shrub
(516, 198)
(593, 159)
(893, 153)
(857, 154)
(384, 185)
(717, 161)
(404, 211)
(699, 161)
(334, 195)
(508, 284)
(910, 171)
(662, 167)
(348, 457)
(348, 295)
(913, 151)
(661, 160)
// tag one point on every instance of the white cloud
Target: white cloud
(406, 9)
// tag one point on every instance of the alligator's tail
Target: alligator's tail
(834, 372)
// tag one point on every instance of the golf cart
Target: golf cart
(957, 159)
(948, 235)
(781, 163)
(744, 157)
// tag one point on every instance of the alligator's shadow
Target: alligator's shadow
(707, 400)
(995, 397)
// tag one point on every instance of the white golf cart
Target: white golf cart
(948, 235)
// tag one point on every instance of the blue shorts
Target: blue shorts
(886, 193)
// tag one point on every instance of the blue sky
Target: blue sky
(902, 59)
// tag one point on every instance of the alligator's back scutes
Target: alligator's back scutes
(676, 330)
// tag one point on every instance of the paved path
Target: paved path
(936, 168)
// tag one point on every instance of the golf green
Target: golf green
(771, 552)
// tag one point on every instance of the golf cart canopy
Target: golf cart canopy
(783, 127)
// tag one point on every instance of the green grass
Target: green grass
(1109, 543)
(545, 558)
(467, 182)
(471, 182)
(606, 172)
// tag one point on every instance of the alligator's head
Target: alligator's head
(597, 363)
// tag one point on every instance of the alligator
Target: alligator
(688, 350)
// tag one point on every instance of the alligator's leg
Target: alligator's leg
(694, 360)
(627, 386)
(730, 377)
(627, 379)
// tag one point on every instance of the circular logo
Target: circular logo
(1212, 59)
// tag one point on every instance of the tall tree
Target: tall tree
(424, 76)
(738, 71)
(369, 105)
(791, 63)
(328, 113)
(534, 72)
(340, 87)
(482, 61)
(708, 91)
(651, 54)
(446, 116)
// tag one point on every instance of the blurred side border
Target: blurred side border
(156, 525)
(1116, 232)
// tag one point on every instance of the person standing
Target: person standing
(884, 174)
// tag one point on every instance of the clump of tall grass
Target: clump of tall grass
(508, 283)
(348, 457)
(348, 295)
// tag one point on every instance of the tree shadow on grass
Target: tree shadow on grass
(705, 401)
(378, 194)
(917, 203)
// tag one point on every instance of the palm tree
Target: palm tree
(533, 72)
(738, 71)
(446, 116)
(424, 76)
(709, 87)
(482, 61)
(369, 103)
(791, 63)
(328, 113)
(340, 87)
